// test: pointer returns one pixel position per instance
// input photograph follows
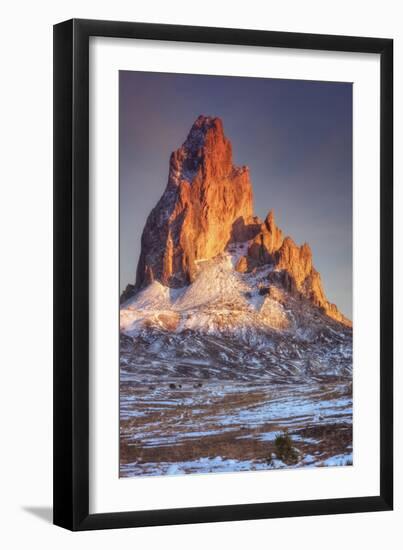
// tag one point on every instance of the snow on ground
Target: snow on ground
(226, 364)
(203, 465)
(232, 416)
(211, 465)
(220, 298)
(338, 460)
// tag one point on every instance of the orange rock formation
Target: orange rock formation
(207, 204)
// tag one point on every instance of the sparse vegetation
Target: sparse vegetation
(176, 425)
(285, 450)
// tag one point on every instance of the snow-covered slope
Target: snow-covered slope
(225, 320)
(220, 300)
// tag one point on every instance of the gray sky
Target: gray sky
(295, 136)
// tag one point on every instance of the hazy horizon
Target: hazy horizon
(295, 136)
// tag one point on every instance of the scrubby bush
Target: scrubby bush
(284, 448)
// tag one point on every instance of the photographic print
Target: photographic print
(235, 274)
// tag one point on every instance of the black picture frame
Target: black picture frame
(71, 274)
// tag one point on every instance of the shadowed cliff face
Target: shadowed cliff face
(206, 206)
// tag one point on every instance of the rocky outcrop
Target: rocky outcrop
(267, 240)
(127, 293)
(303, 278)
(208, 205)
(194, 218)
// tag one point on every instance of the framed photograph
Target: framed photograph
(223, 251)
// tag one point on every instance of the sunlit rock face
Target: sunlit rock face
(206, 208)
(296, 262)
(194, 218)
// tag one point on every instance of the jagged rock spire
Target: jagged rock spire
(194, 218)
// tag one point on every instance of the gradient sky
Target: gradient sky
(295, 136)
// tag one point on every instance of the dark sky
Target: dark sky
(295, 136)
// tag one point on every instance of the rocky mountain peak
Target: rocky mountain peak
(203, 125)
(206, 207)
(206, 152)
(205, 196)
